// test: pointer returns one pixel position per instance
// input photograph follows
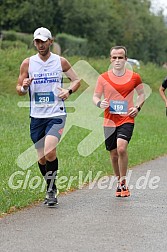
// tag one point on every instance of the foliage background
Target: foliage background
(103, 23)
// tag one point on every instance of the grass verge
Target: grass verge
(147, 142)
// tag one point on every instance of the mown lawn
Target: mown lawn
(20, 187)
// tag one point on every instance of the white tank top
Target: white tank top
(43, 92)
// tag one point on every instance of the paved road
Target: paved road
(94, 220)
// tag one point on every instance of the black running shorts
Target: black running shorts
(111, 134)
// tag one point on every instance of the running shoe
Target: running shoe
(51, 198)
(125, 191)
(118, 190)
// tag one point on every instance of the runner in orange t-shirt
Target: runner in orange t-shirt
(117, 86)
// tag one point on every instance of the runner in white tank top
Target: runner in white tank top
(47, 78)
(41, 75)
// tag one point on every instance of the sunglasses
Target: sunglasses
(114, 57)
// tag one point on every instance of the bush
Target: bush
(9, 35)
(6, 44)
(71, 45)
(14, 36)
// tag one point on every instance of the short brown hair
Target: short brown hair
(119, 47)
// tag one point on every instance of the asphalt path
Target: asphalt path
(95, 220)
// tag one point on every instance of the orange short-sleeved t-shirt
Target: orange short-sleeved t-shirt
(119, 91)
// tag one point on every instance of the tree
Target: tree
(26, 16)
(103, 23)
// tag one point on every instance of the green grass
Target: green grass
(148, 141)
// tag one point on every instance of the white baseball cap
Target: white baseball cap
(42, 34)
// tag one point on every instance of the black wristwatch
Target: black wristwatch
(70, 91)
(138, 108)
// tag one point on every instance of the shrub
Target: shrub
(13, 36)
(71, 45)
(5, 44)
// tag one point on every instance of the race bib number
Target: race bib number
(43, 99)
(118, 107)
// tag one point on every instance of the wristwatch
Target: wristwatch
(138, 108)
(70, 91)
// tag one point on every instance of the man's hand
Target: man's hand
(133, 112)
(64, 93)
(104, 104)
(27, 83)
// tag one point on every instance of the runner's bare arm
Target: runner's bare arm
(72, 76)
(162, 94)
(133, 111)
(97, 101)
(141, 96)
(96, 98)
(23, 80)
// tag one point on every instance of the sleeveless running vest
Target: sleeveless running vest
(43, 91)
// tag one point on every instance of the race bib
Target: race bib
(118, 107)
(43, 99)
